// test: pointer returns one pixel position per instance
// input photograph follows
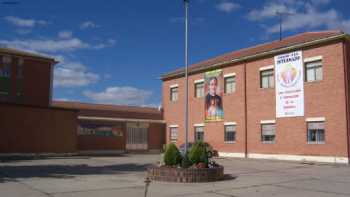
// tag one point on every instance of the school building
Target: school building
(286, 100)
(32, 123)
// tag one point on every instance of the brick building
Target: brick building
(249, 126)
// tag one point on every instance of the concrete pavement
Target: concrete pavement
(124, 176)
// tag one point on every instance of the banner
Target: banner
(99, 130)
(289, 78)
(213, 100)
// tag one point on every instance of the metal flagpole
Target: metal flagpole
(186, 74)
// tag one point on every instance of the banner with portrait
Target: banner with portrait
(213, 95)
(289, 78)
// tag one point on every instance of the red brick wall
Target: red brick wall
(37, 130)
(322, 99)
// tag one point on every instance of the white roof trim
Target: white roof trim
(119, 119)
(199, 81)
(312, 59)
(173, 125)
(174, 85)
(266, 67)
(230, 123)
(229, 75)
(315, 119)
(199, 125)
(267, 121)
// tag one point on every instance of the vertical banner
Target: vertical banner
(213, 99)
(289, 78)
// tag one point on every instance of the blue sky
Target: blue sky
(114, 51)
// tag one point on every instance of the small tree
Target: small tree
(172, 155)
(198, 153)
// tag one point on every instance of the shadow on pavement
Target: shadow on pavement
(66, 171)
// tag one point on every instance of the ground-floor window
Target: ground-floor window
(230, 133)
(268, 133)
(173, 134)
(199, 133)
(315, 132)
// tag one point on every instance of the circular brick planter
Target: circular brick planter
(188, 175)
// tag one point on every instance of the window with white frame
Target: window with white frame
(316, 132)
(230, 84)
(173, 133)
(230, 133)
(199, 133)
(267, 79)
(313, 71)
(268, 132)
(174, 93)
(199, 89)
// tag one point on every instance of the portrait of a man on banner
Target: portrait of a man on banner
(213, 99)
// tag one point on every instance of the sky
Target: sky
(114, 51)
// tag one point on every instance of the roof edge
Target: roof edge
(172, 75)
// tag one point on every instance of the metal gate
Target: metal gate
(137, 136)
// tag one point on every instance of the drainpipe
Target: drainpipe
(346, 78)
(245, 111)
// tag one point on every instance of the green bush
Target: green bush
(198, 153)
(185, 162)
(172, 155)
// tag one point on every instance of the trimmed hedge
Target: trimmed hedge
(172, 155)
(198, 153)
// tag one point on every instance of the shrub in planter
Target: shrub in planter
(198, 153)
(172, 155)
(185, 162)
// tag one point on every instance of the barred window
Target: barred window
(316, 132)
(230, 85)
(199, 133)
(5, 75)
(173, 134)
(313, 71)
(230, 133)
(268, 133)
(267, 79)
(199, 89)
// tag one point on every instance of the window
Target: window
(199, 133)
(5, 75)
(268, 133)
(174, 93)
(173, 134)
(313, 71)
(230, 85)
(266, 79)
(315, 132)
(230, 133)
(199, 89)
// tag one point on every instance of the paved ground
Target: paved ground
(124, 176)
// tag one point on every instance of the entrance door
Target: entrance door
(137, 136)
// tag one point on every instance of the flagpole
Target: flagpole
(186, 2)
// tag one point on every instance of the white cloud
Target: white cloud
(47, 45)
(227, 6)
(22, 22)
(88, 25)
(301, 15)
(73, 74)
(65, 34)
(124, 95)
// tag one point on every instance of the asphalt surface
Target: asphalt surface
(124, 176)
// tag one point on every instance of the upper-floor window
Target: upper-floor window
(268, 133)
(313, 71)
(230, 84)
(5, 75)
(230, 133)
(199, 89)
(173, 134)
(315, 132)
(199, 133)
(267, 79)
(174, 94)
